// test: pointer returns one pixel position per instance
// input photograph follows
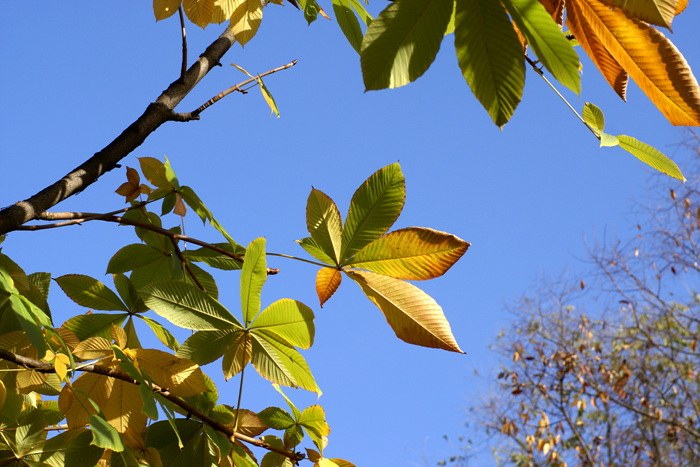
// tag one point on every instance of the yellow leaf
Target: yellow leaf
(3, 394)
(237, 355)
(613, 73)
(200, 12)
(165, 8)
(652, 60)
(413, 315)
(61, 369)
(93, 347)
(119, 336)
(29, 380)
(180, 376)
(327, 282)
(658, 12)
(414, 253)
(246, 20)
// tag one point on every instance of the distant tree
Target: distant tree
(607, 372)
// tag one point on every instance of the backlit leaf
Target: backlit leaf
(413, 253)
(327, 282)
(90, 293)
(206, 346)
(496, 79)
(186, 306)
(245, 20)
(237, 355)
(104, 435)
(652, 61)
(253, 276)
(650, 156)
(548, 42)
(313, 248)
(181, 376)
(289, 321)
(199, 11)
(133, 257)
(348, 23)
(96, 324)
(165, 8)
(593, 116)
(374, 208)
(281, 364)
(413, 315)
(402, 42)
(324, 223)
(658, 12)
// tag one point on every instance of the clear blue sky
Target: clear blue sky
(75, 75)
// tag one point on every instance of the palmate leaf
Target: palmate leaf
(324, 223)
(94, 325)
(490, 56)
(186, 306)
(374, 208)
(548, 42)
(402, 42)
(413, 315)
(237, 355)
(413, 253)
(651, 60)
(206, 346)
(288, 321)
(132, 257)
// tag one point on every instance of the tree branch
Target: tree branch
(90, 171)
(45, 367)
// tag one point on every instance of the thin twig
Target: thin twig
(184, 44)
(194, 115)
(539, 72)
(45, 367)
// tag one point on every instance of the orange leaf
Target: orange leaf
(652, 60)
(327, 282)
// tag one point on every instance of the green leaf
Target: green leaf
(161, 333)
(413, 315)
(608, 140)
(205, 279)
(90, 293)
(313, 248)
(186, 306)
(166, 267)
(324, 223)
(206, 346)
(650, 156)
(593, 116)
(132, 257)
(19, 278)
(215, 259)
(253, 276)
(94, 325)
(105, 435)
(413, 253)
(296, 412)
(348, 23)
(281, 364)
(154, 171)
(28, 320)
(237, 355)
(361, 12)
(374, 208)
(71, 448)
(403, 41)
(546, 39)
(310, 9)
(313, 419)
(30, 430)
(129, 294)
(490, 56)
(276, 418)
(288, 321)
(189, 196)
(42, 280)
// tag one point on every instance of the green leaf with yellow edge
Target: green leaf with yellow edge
(313, 248)
(327, 282)
(276, 418)
(313, 419)
(181, 376)
(186, 306)
(496, 79)
(324, 223)
(413, 315)
(104, 435)
(546, 39)
(90, 293)
(414, 253)
(402, 42)
(281, 364)
(206, 346)
(288, 321)
(253, 277)
(246, 19)
(374, 208)
(651, 156)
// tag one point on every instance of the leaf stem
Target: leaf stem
(240, 388)
(539, 72)
(299, 259)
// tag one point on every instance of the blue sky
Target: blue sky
(74, 76)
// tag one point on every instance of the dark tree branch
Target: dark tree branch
(90, 171)
(184, 44)
(45, 367)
